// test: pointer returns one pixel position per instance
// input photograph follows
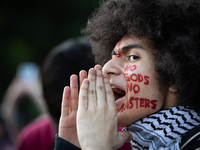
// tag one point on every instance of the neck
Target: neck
(170, 100)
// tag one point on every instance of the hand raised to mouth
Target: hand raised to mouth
(67, 125)
(97, 114)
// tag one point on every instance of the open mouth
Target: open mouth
(118, 93)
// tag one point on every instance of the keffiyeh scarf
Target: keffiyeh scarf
(164, 129)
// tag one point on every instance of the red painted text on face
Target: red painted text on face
(138, 103)
(133, 80)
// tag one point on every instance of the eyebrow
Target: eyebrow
(129, 46)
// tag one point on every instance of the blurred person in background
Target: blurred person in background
(65, 59)
(5, 141)
(22, 101)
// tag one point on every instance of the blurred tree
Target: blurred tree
(30, 29)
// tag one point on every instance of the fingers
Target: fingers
(100, 90)
(83, 98)
(70, 97)
(92, 91)
(82, 75)
(66, 101)
(109, 93)
(94, 114)
(74, 92)
(122, 138)
(127, 137)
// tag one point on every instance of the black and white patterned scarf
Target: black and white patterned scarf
(164, 129)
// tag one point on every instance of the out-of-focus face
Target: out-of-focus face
(134, 81)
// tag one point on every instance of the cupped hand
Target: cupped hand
(97, 114)
(67, 125)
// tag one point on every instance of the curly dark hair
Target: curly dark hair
(173, 26)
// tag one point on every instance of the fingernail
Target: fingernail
(93, 71)
(86, 81)
(98, 67)
(105, 76)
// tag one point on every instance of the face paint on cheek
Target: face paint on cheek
(133, 85)
(136, 102)
(153, 102)
(130, 68)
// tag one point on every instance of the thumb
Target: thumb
(127, 137)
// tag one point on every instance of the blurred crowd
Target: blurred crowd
(30, 108)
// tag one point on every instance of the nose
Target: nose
(112, 67)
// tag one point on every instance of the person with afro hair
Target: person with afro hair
(149, 83)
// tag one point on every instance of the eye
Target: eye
(132, 58)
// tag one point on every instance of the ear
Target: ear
(172, 89)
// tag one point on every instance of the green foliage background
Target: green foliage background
(30, 29)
